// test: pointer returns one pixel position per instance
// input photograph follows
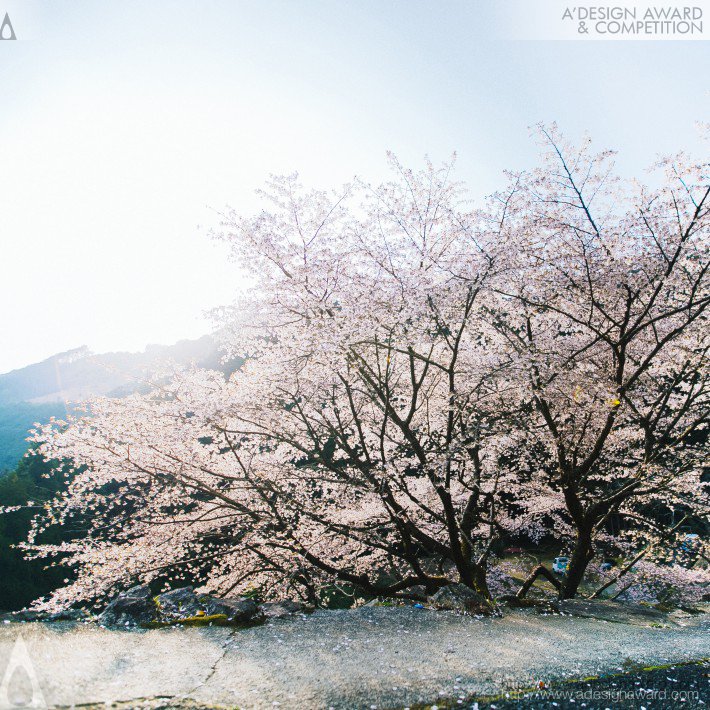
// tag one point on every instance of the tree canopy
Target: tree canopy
(423, 379)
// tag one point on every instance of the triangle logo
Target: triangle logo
(6, 29)
(25, 691)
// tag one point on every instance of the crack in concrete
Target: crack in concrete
(153, 702)
(211, 671)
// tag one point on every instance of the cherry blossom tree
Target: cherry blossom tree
(422, 380)
(359, 444)
(604, 301)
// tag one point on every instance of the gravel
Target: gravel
(368, 658)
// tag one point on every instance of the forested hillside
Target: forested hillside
(51, 387)
(15, 419)
(21, 580)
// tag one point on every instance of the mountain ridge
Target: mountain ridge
(50, 387)
(75, 374)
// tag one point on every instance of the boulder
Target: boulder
(34, 615)
(459, 597)
(239, 611)
(179, 604)
(419, 592)
(183, 604)
(278, 610)
(137, 607)
(133, 607)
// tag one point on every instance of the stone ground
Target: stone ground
(373, 657)
(676, 686)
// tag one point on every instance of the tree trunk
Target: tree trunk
(539, 571)
(480, 584)
(581, 557)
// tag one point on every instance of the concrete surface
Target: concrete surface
(366, 658)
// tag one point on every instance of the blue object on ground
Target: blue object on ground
(560, 565)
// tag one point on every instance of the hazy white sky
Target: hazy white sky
(125, 124)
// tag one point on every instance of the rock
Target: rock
(134, 607)
(543, 606)
(25, 615)
(607, 610)
(277, 610)
(68, 615)
(137, 607)
(419, 591)
(179, 604)
(238, 611)
(34, 615)
(459, 597)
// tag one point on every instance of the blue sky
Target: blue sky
(124, 125)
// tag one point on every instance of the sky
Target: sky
(126, 126)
